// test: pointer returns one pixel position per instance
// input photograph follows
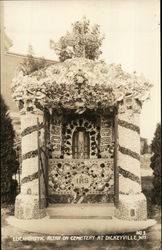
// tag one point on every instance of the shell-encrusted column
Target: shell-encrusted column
(27, 202)
(132, 203)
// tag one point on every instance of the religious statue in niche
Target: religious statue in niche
(80, 144)
(80, 139)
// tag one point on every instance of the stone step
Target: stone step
(47, 226)
(81, 211)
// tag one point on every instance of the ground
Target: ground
(152, 241)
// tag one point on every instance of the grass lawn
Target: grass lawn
(152, 241)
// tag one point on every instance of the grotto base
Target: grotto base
(98, 226)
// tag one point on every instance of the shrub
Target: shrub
(9, 164)
(156, 165)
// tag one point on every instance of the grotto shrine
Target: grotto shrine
(80, 129)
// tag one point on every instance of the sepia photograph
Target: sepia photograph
(80, 125)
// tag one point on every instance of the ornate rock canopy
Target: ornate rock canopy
(79, 84)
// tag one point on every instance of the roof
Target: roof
(9, 53)
(80, 84)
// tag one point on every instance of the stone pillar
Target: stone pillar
(132, 203)
(27, 202)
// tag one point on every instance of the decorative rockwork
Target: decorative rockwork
(129, 175)
(38, 105)
(29, 105)
(29, 178)
(129, 159)
(80, 84)
(31, 129)
(76, 88)
(129, 125)
(27, 207)
(92, 126)
(79, 179)
(132, 207)
(130, 105)
(27, 203)
(107, 137)
(30, 154)
(129, 152)
(56, 135)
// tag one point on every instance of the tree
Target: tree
(144, 146)
(82, 41)
(9, 164)
(31, 64)
(156, 165)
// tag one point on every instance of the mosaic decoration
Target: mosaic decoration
(31, 129)
(30, 178)
(129, 125)
(128, 203)
(129, 152)
(90, 126)
(30, 154)
(77, 86)
(107, 140)
(56, 135)
(129, 175)
(80, 84)
(80, 179)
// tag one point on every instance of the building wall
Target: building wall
(10, 64)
